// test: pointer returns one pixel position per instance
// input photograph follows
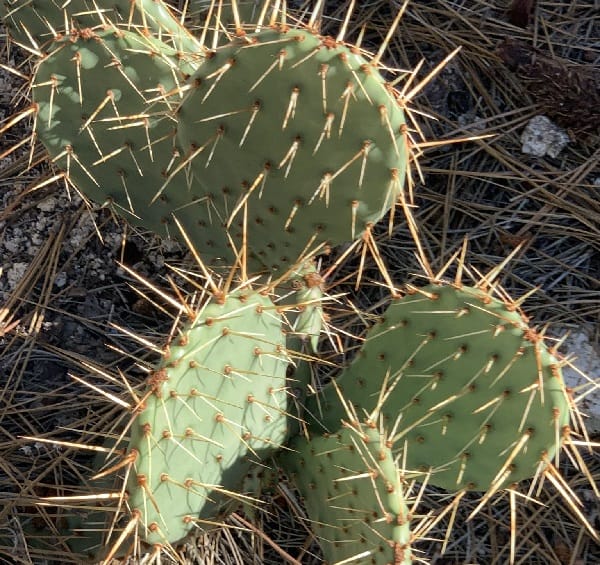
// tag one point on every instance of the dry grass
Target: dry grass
(486, 191)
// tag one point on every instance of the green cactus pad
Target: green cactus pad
(472, 390)
(353, 495)
(102, 116)
(300, 131)
(216, 402)
(37, 23)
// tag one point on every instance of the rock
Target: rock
(583, 375)
(542, 137)
(49, 204)
(14, 274)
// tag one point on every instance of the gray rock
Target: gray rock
(542, 137)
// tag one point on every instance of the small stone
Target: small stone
(472, 122)
(61, 279)
(48, 204)
(542, 137)
(14, 245)
(583, 376)
(15, 274)
(169, 246)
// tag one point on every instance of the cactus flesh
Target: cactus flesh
(102, 115)
(354, 496)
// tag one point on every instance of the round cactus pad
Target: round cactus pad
(102, 116)
(296, 141)
(471, 391)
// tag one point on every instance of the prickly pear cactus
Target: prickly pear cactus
(35, 23)
(468, 385)
(353, 494)
(294, 141)
(102, 105)
(216, 403)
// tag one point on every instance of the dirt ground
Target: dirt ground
(68, 308)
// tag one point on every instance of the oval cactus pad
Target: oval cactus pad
(296, 141)
(354, 497)
(471, 391)
(217, 401)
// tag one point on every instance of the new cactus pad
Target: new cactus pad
(294, 140)
(301, 298)
(302, 295)
(354, 497)
(216, 403)
(470, 388)
(309, 300)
